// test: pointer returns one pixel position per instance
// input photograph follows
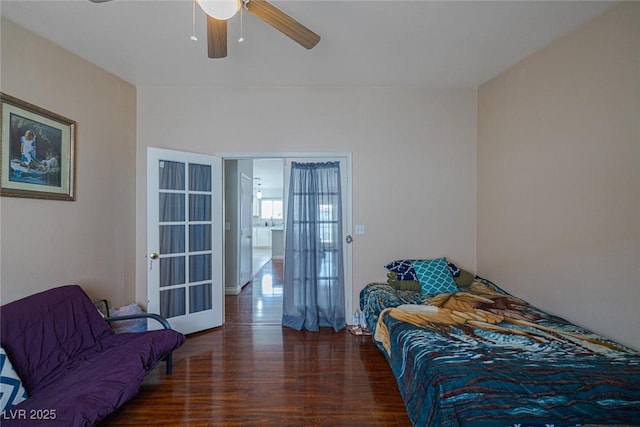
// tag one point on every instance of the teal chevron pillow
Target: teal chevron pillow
(434, 276)
(11, 390)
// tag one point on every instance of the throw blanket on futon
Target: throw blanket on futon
(486, 358)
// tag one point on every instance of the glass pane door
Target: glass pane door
(183, 287)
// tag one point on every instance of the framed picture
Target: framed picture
(37, 159)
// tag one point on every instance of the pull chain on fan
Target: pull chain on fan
(193, 22)
(241, 39)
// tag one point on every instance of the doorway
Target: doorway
(268, 211)
(268, 208)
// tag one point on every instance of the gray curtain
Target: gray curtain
(313, 266)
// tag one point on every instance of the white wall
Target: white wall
(559, 176)
(414, 157)
(89, 241)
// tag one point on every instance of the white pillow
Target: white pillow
(11, 390)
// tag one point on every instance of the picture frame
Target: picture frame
(37, 155)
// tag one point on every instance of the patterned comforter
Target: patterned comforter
(482, 357)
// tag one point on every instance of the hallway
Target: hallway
(259, 302)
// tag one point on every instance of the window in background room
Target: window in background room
(271, 209)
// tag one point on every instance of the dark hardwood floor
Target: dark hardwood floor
(253, 372)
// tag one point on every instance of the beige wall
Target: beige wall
(89, 241)
(414, 157)
(559, 176)
(413, 163)
(558, 170)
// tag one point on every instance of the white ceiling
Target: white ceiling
(442, 44)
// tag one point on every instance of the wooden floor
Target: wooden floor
(254, 372)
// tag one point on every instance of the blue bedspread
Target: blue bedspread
(482, 357)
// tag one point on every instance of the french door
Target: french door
(184, 239)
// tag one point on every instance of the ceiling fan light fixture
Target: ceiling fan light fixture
(220, 9)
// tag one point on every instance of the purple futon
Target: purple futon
(75, 369)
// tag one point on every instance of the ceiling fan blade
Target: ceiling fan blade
(283, 23)
(216, 37)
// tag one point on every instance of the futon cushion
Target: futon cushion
(74, 367)
(97, 382)
(63, 323)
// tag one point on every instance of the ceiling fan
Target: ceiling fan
(219, 11)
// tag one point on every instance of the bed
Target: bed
(479, 356)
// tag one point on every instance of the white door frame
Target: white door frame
(348, 205)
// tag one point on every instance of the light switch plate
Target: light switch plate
(359, 229)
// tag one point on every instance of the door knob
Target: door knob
(154, 255)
